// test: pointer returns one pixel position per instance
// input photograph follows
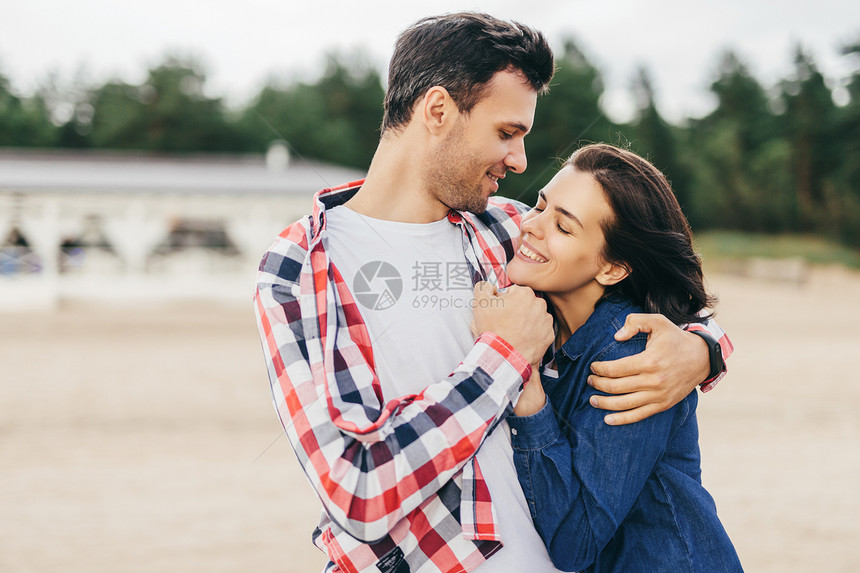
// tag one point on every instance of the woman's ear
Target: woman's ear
(612, 273)
(437, 109)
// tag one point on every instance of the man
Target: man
(395, 411)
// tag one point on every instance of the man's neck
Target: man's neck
(394, 189)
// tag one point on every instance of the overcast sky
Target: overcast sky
(243, 43)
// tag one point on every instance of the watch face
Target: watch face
(717, 360)
(715, 353)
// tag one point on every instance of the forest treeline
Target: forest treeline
(783, 158)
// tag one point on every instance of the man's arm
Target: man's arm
(372, 461)
(673, 364)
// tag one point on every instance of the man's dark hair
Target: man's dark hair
(648, 234)
(461, 52)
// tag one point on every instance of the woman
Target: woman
(607, 239)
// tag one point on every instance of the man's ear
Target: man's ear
(437, 110)
(612, 273)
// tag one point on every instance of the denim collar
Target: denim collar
(590, 337)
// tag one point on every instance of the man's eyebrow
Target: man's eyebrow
(517, 126)
(561, 210)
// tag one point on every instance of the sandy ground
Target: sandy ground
(143, 439)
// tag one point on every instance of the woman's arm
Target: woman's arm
(580, 489)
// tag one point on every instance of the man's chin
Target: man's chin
(472, 202)
(478, 206)
(474, 207)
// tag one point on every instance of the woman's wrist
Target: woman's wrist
(532, 398)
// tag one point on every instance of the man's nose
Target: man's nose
(516, 158)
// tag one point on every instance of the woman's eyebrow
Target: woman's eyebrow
(562, 210)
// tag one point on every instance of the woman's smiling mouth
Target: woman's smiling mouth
(530, 254)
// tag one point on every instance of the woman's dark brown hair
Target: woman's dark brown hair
(648, 234)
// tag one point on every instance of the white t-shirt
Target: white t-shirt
(414, 290)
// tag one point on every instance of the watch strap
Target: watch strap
(715, 353)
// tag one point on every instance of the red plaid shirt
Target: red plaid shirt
(396, 476)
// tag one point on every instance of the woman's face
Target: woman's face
(561, 240)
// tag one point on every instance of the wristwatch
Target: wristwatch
(715, 354)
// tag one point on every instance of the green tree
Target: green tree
(69, 107)
(742, 100)
(656, 139)
(119, 117)
(167, 113)
(740, 164)
(335, 119)
(568, 116)
(24, 122)
(810, 121)
(845, 201)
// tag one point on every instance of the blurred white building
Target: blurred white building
(125, 227)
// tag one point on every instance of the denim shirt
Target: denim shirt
(615, 498)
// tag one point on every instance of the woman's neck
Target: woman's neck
(572, 309)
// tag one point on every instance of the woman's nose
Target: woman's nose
(532, 224)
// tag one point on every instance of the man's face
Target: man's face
(483, 145)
